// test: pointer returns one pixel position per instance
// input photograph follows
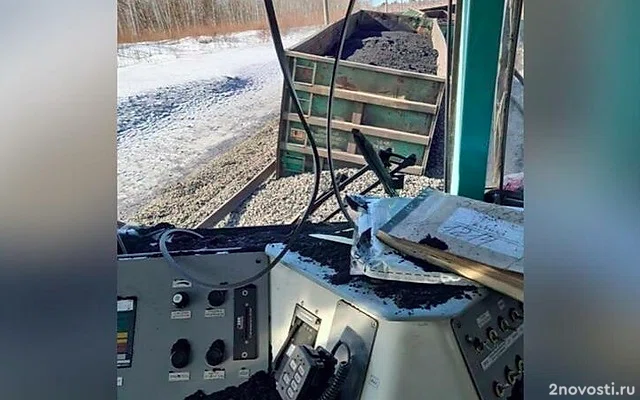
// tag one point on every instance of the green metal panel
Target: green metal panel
(313, 75)
(401, 120)
(292, 162)
(481, 26)
(339, 139)
(374, 82)
(342, 109)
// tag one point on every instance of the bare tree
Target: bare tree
(143, 19)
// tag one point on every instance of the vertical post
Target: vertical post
(325, 8)
(453, 87)
(386, 6)
(481, 26)
(503, 93)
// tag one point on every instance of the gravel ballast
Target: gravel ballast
(190, 201)
(279, 200)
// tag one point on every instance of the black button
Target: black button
(180, 299)
(180, 353)
(216, 353)
(217, 297)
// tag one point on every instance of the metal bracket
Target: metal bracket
(358, 330)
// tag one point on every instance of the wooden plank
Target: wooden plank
(390, 71)
(367, 130)
(369, 98)
(356, 116)
(238, 198)
(341, 156)
(510, 284)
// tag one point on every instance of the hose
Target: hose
(162, 242)
(332, 87)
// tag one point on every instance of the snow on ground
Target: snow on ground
(182, 102)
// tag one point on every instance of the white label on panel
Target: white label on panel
(215, 374)
(180, 314)
(125, 305)
(483, 319)
(214, 313)
(178, 376)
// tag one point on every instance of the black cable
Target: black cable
(278, 359)
(339, 344)
(335, 385)
(162, 242)
(332, 87)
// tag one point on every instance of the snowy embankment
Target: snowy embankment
(182, 102)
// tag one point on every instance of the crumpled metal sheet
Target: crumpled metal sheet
(372, 258)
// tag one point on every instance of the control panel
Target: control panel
(490, 336)
(175, 338)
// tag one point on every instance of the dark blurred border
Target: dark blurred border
(582, 249)
(58, 180)
(57, 199)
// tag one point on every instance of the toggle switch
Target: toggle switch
(515, 315)
(492, 335)
(475, 342)
(504, 325)
(510, 375)
(520, 364)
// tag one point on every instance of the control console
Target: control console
(175, 338)
(490, 336)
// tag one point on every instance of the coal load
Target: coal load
(406, 51)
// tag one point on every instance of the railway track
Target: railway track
(238, 198)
